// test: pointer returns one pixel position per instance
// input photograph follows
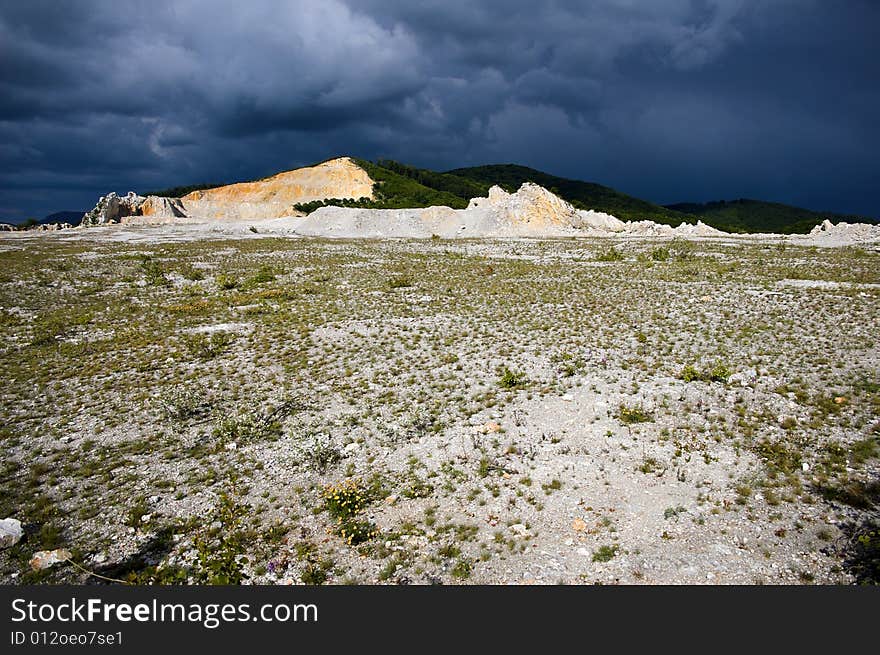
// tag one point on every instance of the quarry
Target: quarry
(224, 388)
(270, 206)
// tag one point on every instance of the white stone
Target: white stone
(519, 529)
(10, 532)
(43, 559)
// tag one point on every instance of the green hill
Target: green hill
(457, 185)
(745, 215)
(397, 190)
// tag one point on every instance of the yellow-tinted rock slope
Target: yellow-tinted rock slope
(275, 196)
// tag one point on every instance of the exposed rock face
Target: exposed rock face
(161, 207)
(105, 211)
(275, 196)
(134, 209)
(826, 226)
(531, 206)
(41, 227)
(211, 210)
(111, 208)
(272, 197)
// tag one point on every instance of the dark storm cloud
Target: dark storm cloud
(670, 100)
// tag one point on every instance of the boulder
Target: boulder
(10, 532)
(43, 559)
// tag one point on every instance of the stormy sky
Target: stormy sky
(669, 100)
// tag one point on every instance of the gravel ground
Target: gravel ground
(253, 409)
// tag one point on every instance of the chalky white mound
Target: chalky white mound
(532, 211)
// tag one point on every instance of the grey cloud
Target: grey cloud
(671, 100)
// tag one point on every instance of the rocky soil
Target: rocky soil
(624, 409)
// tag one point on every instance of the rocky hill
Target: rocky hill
(348, 197)
(276, 195)
(272, 197)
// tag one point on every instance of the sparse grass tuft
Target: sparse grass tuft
(628, 414)
(606, 553)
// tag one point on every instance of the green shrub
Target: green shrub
(245, 427)
(611, 254)
(863, 559)
(154, 272)
(183, 402)
(226, 281)
(135, 512)
(605, 553)
(51, 327)
(512, 380)
(567, 364)
(779, 457)
(344, 501)
(718, 373)
(861, 495)
(690, 374)
(192, 274)
(660, 254)
(462, 569)
(220, 548)
(263, 275)
(864, 449)
(319, 451)
(315, 573)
